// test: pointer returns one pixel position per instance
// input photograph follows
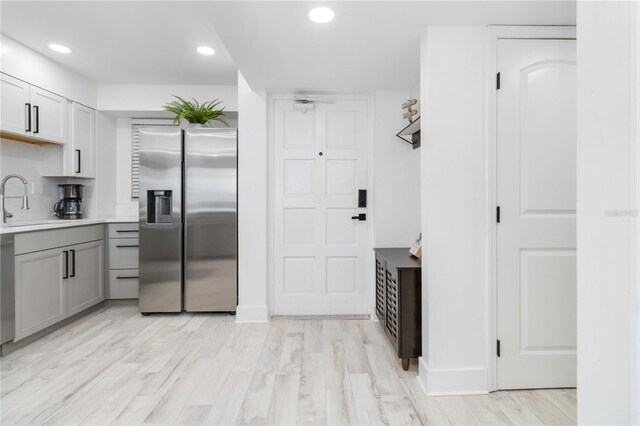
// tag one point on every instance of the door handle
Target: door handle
(66, 265)
(127, 278)
(36, 113)
(119, 246)
(73, 264)
(361, 217)
(28, 109)
(79, 153)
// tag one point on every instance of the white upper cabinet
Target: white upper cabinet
(31, 111)
(48, 115)
(39, 115)
(76, 158)
(83, 142)
(15, 108)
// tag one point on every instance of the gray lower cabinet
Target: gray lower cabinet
(85, 284)
(41, 291)
(123, 260)
(52, 284)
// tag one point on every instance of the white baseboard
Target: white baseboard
(456, 381)
(252, 314)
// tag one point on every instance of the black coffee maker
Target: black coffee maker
(70, 206)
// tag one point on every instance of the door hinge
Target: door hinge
(498, 81)
(498, 348)
(498, 214)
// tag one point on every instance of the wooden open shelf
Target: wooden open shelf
(24, 139)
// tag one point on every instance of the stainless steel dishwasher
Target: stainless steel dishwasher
(7, 289)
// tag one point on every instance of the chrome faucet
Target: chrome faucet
(25, 199)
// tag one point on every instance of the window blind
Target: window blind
(135, 152)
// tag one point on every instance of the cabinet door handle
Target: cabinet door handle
(36, 113)
(128, 246)
(73, 263)
(127, 230)
(66, 265)
(127, 278)
(79, 153)
(28, 110)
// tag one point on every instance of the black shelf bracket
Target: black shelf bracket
(411, 133)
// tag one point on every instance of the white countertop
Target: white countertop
(41, 225)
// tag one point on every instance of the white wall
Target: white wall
(608, 245)
(27, 160)
(151, 97)
(21, 62)
(396, 174)
(106, 165)
(252, 204)
(454, 211)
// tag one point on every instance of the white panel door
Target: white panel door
(536, 235)
(49, 115)
(15, 108)
(320, 163)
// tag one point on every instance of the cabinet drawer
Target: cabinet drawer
(27, 242)
(123, 230)
(123, 284)
(123, 253)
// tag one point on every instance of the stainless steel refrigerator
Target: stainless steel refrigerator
(188, 220)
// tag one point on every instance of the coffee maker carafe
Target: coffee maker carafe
(70, 206)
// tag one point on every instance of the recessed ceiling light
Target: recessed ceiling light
(206, 50)
(321, 15)
(59, 48)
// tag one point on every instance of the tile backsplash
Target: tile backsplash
(25, 159)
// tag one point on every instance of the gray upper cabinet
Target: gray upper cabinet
(85, 286)
(41, 296)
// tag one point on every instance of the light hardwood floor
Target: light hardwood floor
(118, 367)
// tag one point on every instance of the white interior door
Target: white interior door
(320, 163)
(536, 235)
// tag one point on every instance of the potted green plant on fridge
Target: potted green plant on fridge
(197, 114)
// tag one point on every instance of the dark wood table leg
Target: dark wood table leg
(405, 363)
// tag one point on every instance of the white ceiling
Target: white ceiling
(369, 45)
(122, 42)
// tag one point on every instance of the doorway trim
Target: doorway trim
(370, 259)
(495, 33)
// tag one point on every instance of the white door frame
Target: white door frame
(635, 251)
(370, 259)
(494, 33)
